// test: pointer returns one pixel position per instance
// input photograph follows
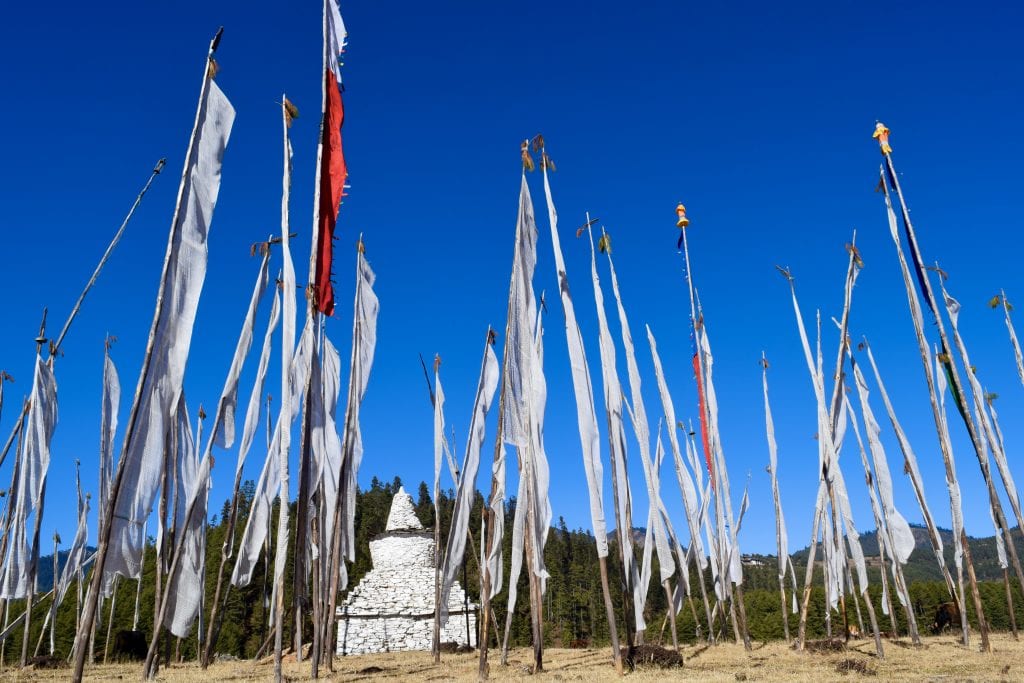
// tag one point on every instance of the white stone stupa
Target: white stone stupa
(392, 608)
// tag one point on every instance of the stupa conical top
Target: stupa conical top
(403, 516)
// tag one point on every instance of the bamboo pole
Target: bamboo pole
(89, 612)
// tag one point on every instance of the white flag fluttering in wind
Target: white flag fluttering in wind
(225, 436)
(33, 464)
(952, 484)
(785, 561)
(1013, 337)
(583, 389)
(171, 334)
(328, 442)
(642, 428)
(439, 437)
(108, 427)
(269, 484)
(986, 433)
(897, 528)
(830, 442)
(364, 345)
(252, 411)
(910, 459)
(184, 596)
(728, 536)
(494, 559)
(613, 401)
(257, 524)
(76, 554)
(686, 486)
(456, 546)
(525, 396)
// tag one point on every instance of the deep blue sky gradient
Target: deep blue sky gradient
(757, 116)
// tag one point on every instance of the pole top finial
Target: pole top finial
(681, 221)
(882, 135)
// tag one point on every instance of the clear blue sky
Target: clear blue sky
(757, 116)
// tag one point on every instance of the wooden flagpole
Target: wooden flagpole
(92, 597)
(337, 557)
(483, 669)
(436, 639)
(227, 548)
(882, 133)
(281, 552)
(783, 558)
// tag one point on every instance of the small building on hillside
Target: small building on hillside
(392, 608)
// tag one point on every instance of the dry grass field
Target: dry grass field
(939, 659)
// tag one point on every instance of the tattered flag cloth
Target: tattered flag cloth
(583, 390)
(333, 170)
(364, 341)
(525, 398)
(936, 380)
(33, 464)
(76, 554)
(613, 401)
(952, 483)
(456, 546)
(910, 465)
(108, 427)
(225, 436)
(192, 483)
(1013, 338)
(785, 561)
(685, 482)
(987, 432)
(641, 426)
(160, 386)
(896, 525)
(269, 483)
(252, 411)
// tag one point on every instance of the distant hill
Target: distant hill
(45, 573)
(639, 533)
(922, 565)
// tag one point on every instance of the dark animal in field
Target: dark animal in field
(946, 615)
(580, 644)
(129, 646)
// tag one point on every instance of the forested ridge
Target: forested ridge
(573, 607)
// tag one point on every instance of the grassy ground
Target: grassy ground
(939, 659)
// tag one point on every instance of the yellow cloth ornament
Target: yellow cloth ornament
(882, 135)
(682, 221)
